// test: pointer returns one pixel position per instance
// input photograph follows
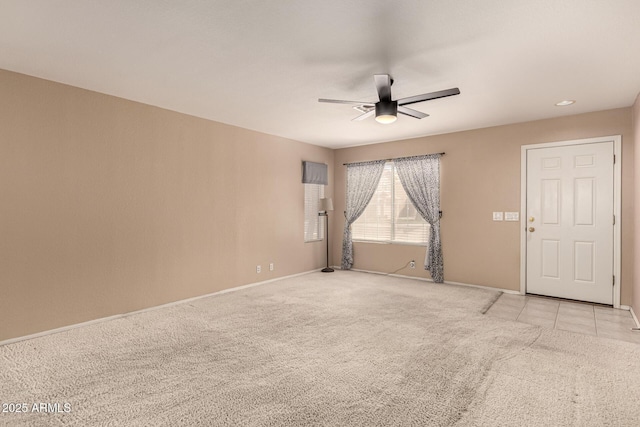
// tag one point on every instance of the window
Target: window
(390, 216)
(313, 224)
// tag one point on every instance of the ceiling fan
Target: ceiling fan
(386, 110)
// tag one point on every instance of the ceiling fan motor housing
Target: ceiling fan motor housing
(387, 108)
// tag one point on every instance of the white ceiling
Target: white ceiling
(262, 64)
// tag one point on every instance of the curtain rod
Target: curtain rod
(388, 160)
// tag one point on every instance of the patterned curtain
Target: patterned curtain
(362, 181)
(420, 178)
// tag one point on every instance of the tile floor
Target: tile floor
(583, 318)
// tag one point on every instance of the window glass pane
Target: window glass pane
(390, 216)
(375, 221)
(313, 224)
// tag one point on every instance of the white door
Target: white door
(570, 215)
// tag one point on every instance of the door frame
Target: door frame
(617, 205)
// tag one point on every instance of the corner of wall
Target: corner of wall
(636, 214)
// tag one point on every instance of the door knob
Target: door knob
(531, 219)
(531, 229)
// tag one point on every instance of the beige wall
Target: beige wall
(636, 274)
(109, 206)
(481, 174)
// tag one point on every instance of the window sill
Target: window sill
(379, 242)
(315, 240)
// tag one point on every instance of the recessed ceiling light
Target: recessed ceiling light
(565, 103)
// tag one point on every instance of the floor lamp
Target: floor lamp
(326, 205)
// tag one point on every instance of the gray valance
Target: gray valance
(314, 173)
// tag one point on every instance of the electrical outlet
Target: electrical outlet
(412, 264)
(258, 269)
(497, 216)
(271, 266)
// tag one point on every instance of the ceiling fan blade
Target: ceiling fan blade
(339, 101)
(411, 112)
(429, 96)
(364, 108)
(383, 86)
(364, 116)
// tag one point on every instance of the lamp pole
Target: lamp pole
(327, 205)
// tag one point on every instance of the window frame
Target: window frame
(319, 234)
(393, 224)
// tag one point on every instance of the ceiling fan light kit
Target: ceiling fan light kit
(386, 110)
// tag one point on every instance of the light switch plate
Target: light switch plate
(497, 216)
(512, 216)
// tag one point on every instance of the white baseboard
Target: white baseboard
(250, 285)
(635, 318)
(155, 307)
(506, 291)
(629, 309)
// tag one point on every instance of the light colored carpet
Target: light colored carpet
(341, 349)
